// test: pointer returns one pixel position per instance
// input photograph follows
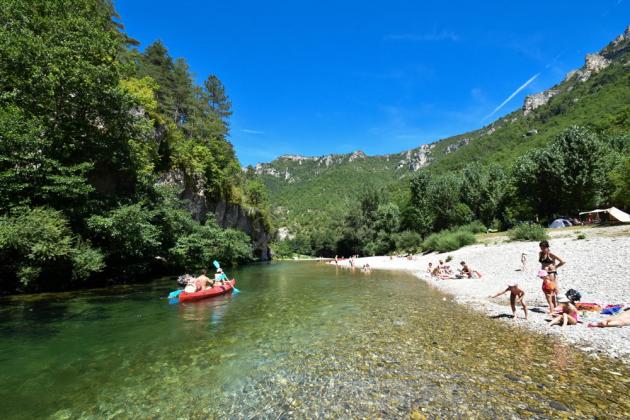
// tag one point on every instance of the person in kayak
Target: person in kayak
(219, 278)
(202, 282)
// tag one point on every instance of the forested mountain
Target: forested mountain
(306, 191)
(102, 145)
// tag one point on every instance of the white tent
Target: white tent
(614, 214)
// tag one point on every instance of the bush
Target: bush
(474, 227)
(408, 241)
(581, 236)
(448, 240)
(37, 246)
(527, 231)
(208, 243)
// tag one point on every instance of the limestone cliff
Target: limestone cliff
(227, 215)
(593, 64)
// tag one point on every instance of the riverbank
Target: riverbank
(595, 266)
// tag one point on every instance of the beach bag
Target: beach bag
(573, 295)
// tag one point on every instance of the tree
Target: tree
(417, 215)
(568, 175)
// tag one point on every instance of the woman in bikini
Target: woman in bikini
(569, 315)
(545, 257)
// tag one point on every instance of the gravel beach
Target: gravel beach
(596, 266)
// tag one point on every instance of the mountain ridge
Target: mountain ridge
(596, 95)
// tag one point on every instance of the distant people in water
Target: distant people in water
(516, 296)
(366, 269)
(546, 257)
(569, 314)
(619, 320)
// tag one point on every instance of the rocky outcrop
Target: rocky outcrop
(593, 64)
(537, 100)
(453, 147)
(416, 159)
(227, 215)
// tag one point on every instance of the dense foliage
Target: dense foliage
(577, 170)
(87, 127)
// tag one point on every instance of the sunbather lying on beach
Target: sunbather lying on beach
(619, 320)
(516, 294)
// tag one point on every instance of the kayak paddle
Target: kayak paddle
(217, 266)
(174, 294)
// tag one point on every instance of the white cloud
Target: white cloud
(509, 98)
(248, 131)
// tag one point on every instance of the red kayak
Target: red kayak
(208, 293)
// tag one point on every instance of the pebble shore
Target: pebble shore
(596, 266)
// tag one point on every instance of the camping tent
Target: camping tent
(559, 223)
(612, 214)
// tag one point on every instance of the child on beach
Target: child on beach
(549, 289)
(516, 294)
(569, 314)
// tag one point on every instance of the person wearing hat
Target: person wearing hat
(549, 289)
(569, 314)
(219, 277)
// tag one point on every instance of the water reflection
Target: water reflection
(212, 310)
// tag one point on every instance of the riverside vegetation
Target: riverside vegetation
(569, 154)
(88, 125)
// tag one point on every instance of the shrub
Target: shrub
(208, 243)
(527, 231)
(408, 241)
(448, 240)
(581, 236)
(127, 232)
(474, 227)
(37, 245)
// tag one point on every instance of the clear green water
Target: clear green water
(300, 340)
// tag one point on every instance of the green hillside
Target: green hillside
(305, 192)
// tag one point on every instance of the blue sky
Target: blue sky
(319, 77)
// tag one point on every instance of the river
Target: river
(301, 340)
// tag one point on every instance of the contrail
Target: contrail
(523, 86)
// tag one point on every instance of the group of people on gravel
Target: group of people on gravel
(444, 272)
(562, 308)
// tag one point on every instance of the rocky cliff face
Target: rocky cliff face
(227, 215)
(593, 64)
